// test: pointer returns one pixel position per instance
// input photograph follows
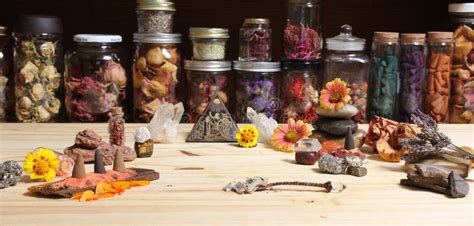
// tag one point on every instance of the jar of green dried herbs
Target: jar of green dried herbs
(208, 43)
(155, 16)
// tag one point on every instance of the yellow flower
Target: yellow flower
(247, 136)
(335, 95)
(41, 164)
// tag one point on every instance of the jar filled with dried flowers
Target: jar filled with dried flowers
(461, 104)
(302, 34)
(299, 90)
(257, 86)
(346, 60)
(208, 43)
(255, 40)
(203, 80)
(155, 72)
(95, 78)
(38, 66)
(155, 15)
(6, 63)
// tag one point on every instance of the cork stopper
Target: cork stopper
(98, 163)
(386, 37)
(440, 35)
(119, 164)
(79, 170)
(116, 111)
(413, 37)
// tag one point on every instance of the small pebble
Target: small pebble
(357, 171)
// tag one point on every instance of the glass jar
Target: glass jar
(413, 52)
(208, 43)
(38, 66)
(346, 60)
(257, 87)
(302, 34)
(461, 106)
(6, 81)
(204, 79)
(155, 72)
(116, 127)
(383, 76)
(440, 52)
(299, 91)
(255, 40)
(155, 15)
(94, 77)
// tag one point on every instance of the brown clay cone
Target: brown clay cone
(98, 163)
(79, 170)
(119, 164)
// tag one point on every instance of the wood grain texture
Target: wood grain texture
(189, 190)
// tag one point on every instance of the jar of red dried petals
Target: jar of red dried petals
(255, 40)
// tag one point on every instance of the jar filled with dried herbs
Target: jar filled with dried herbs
(155, 16)
(203, 80)
(255, 40)
(6, 81)
(38, 64)
(155, 72)
(208, 43)
(95, 77)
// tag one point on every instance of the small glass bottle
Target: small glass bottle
(300, 90)
(209, 43)
(155, 16)
(255, 40)
(412, 75)
(383, 76)
(116, 127)
(440, 52)
(6, 80)
(256, 86)
(302, 34)
(346, 60)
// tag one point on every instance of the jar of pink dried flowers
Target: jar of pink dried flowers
(255, 40)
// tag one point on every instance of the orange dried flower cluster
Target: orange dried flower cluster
(108, 190)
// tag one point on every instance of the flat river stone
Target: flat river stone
(335, 126)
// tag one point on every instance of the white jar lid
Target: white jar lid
(97, 38)
(461, 8)
(345, 41)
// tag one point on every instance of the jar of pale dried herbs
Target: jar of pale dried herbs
(208, 43)
(155, 16)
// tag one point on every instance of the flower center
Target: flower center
(335, 97)
(42, 166)
(248, 136)
(292, 137)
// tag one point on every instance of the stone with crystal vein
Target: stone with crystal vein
(264, 125)
(331, 164)
(163, 126)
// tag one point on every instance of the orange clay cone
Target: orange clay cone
(79, 170)
(119, 164)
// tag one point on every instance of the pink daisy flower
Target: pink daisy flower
(286, 136)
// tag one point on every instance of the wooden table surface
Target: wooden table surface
(190, 188)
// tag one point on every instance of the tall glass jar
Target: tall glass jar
(155, 72)
(302, 34)
(204, 79)
(256, 86)
(208, 43)
(6, 81)
(461, 107)
(255, 40)
(155, 15)
(440, 52)
(412, 75)
(346, 60)
(94, 77)
(38, 66)
(299, 91)
(383, 76)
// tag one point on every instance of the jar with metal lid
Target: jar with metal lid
(413, 52)
(347, 60)
(438, 66)
(300, 90)
(94, 77)
(38, 66)
(302, 34)
(155, 15)
(461, 106)
(204, 79)
(255, 40)
(256, 86)
(6, 81)
(383, 76)
(208, 43)
(155, 72)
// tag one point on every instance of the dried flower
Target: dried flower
(286, 136)
(47, 49)
(247, 136)
(114, 72)
(29, 72)
(41, 164)
(335, 95)
(301, 42)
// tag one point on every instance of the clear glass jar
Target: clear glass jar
(302, 34)
(204, 79)
(208, 43)
(38, 66)
(255, 40)
(461, 106)
(256, 86)
(155, 16)
(383, 76)
(413, 52)
(155, 72)
(116, 127)
(440, 52)
(299, 91)
(94, 77)
(6, 82)
(346, 60)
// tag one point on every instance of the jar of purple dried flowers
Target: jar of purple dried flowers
(95, 78)
(204, 79)
(255, 40)
(257, 86)
(155, 15)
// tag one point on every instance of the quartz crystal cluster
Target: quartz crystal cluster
(10, 172)
(163, 126)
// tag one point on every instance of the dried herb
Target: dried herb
(301, 42)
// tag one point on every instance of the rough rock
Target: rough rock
(87, 139)
(107, 153)
(331, 164)
(357, 171)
